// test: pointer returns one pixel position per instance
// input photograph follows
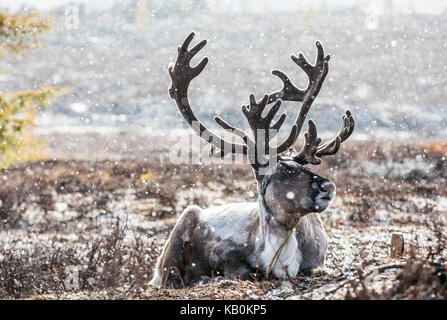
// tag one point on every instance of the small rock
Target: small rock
(287, 286)
(397, 246)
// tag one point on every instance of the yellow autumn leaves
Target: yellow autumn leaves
(18, 110)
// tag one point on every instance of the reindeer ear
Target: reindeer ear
(264, 172)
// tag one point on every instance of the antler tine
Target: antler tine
(348, 126)
(217, 153)
(256, 121)
(182, 74)
(289, 91)
(331, 147)
(311, 152)
(308, 152)
(239, 132)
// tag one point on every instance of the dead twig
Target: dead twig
(181, 280)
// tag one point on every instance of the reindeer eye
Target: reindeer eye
(286, 169)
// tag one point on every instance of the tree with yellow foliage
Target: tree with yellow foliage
(18, 110)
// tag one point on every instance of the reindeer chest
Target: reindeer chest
(289, 259)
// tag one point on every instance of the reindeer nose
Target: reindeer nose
(328, 187)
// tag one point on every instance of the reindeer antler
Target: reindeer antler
(263, 131)
(311, 152)
(316, 73)
(307, 154)
(182, 74)
(289, 91)
(332, 147)
(259, 125)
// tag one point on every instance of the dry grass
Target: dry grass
(93, 229)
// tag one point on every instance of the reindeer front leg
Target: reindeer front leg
(231, 261)
(174, 267)
(237, 271)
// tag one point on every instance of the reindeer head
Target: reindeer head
(293, 189)
(285, 183)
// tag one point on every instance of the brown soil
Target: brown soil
(93, 229)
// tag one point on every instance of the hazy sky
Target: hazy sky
(420, 6)
(48, 4)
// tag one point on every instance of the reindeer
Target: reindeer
(280, 234)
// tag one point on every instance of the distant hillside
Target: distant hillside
(392, 76)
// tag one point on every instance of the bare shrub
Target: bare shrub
(106, 263)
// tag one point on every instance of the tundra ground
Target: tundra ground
(77, 229)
